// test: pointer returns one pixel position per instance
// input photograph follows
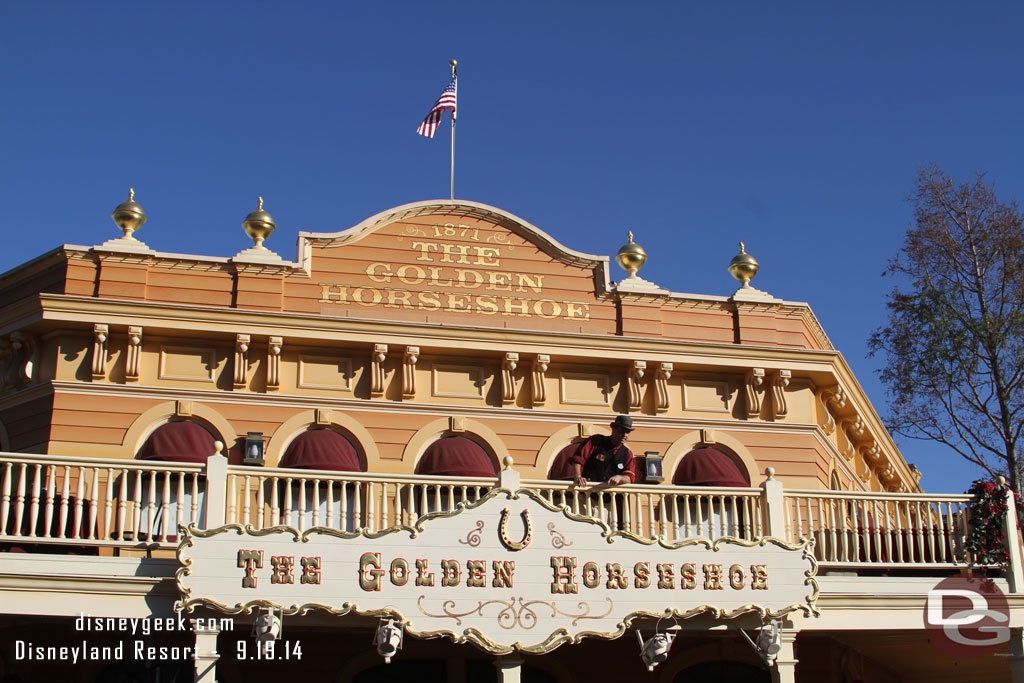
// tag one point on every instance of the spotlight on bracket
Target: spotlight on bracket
(388, 638)
(268, 625)
(654, 650)
(768, 643)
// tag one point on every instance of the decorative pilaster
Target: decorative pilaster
(785, 661)
(380, 353)
(779, 383)
(870, 452)
(206, 651)
(829, 422)
(832, 399)
(853, 429)
(412, 354)
(508, 378)
(754, 379)
(99, 351)
(274, 363)
(241, 360)
(661, 387)
(636, 394)
(133, 355)
(538, 394)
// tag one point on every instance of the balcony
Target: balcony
(73, 505)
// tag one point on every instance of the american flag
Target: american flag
(445, 101)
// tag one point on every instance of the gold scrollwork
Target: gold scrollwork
(473, 537)
(516, 611)
(557, 538)
(503, 529)
(413, 230)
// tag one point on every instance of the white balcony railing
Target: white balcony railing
(881, 529)
(82, 503)
(97, 501)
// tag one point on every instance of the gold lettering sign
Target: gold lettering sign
(454, 278)
(509, 572)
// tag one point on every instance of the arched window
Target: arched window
(712, 515)
(322, 449)
(153, 515)
(452, 455)
(327, 501)
(709, 467)
(178, 441)
(455, 455)
(560, 469)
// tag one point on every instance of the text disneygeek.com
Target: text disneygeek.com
(135, 648)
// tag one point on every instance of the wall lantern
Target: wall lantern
(254, 449)
(652, 467)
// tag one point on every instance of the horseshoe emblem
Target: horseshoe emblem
(502, 529)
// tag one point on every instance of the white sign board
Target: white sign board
(509, 572)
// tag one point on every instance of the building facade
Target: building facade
(435, 361)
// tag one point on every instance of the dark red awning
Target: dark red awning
(322, 449)
(709, 467)
(560, 468)
(180, 441)
(457, 456)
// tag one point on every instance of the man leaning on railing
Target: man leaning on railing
(605, 459)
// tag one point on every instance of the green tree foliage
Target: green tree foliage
(954, 342)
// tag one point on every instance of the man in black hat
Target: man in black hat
(605, 459)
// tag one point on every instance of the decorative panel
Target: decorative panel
(585, 388)
(706, 395)
(458, 381)
(195, 364)
(325, 372)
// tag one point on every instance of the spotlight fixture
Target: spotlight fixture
(388, 638)
(768, 643)
(268, 625)
(654, 650)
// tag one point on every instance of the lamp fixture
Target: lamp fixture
(653, 471)
(268, 625)
(768, 643)
(654, 650)
(254, 445)
(388, 638)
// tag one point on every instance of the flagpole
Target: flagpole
(453, 64)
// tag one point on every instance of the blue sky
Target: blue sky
(797, 127)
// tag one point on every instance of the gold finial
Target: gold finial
(453, 63)
(128, 215)
(631, 256)
(259, 224)
(743, 266)
(630, 233)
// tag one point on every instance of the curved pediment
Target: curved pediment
(436, 210)
(437, 261)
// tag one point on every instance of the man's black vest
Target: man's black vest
(605, 462)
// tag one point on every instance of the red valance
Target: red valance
(322, 449)
(709, 467)
(560, 469)
(457, 456)
(180, 441)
